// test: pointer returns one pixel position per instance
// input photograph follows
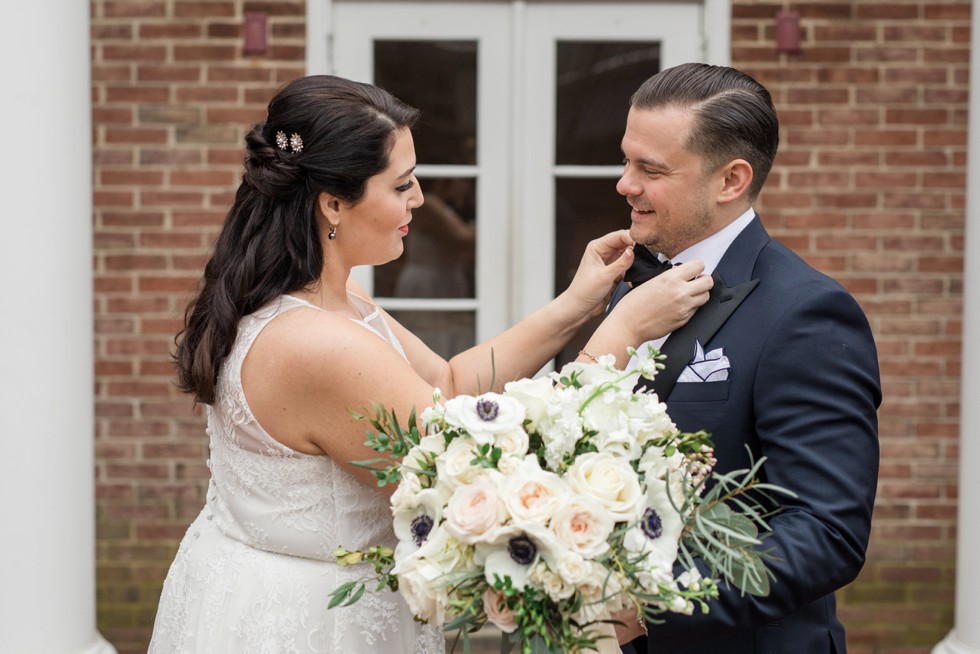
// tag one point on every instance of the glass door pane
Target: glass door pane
(439, 78)
(582, 70)
(452, 62)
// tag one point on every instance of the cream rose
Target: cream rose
(611, 481)
(475, 510)
(532, 495)
(453, 467)
(418, 581)
(513, 442)
(584, 525)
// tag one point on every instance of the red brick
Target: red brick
(195, 9)
(169, 31)
(133, 9)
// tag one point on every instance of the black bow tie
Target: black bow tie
(645, 266)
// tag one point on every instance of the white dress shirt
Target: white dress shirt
(710, 251)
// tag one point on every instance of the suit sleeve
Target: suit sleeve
(815, 402)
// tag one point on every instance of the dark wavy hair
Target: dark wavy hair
(734, 117)
(270, 242)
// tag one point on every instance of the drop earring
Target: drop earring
(333, 232)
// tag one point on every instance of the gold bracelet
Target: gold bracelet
(583, 353)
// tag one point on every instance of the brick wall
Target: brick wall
(869, 186)
(173, 95)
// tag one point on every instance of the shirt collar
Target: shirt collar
(713, 248)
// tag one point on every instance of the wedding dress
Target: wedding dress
(254, 573)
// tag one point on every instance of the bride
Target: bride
(280, 344)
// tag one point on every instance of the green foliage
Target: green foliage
(728, 527)
(382, 559)
(387, 436)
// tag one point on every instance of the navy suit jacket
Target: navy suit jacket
(803, 391)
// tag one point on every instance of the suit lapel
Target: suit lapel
(737, 267)
(679, 347)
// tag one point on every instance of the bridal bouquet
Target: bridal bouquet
(549, 507)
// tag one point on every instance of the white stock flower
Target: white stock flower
(648, 418)
(533, 394)
(475, 510)
(611, 481)
(561, 428)
(532, 495)
(657, 467)
(484, 416)
(583, 524)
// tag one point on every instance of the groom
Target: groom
(779, 362)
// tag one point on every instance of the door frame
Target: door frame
(520, 241)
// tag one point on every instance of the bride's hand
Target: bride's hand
(664, 303)
(605, 261)
(633, 625)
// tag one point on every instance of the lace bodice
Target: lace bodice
(269, 496)
(254, 572)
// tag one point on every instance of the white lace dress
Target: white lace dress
(254, 573)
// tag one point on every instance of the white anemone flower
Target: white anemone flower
(515, 551)
(413, 524)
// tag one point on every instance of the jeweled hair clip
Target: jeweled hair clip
(294, 142)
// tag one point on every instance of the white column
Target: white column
(965, 636)
(47, 544)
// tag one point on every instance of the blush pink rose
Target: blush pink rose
(495, 606)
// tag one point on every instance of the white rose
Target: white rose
(611, 481)
(420, 586)
(533, 394)
(475, 510)
(573, 568)
(453, 466)
(513, 442)
(509, 463)
(584, 525)
(552, 584)
(598, 591)
(406, 495)
(484, 416)
(604, 371)
(532, 495)
(433, 444)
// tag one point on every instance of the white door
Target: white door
(523, 108)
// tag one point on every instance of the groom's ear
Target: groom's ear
(734, 179)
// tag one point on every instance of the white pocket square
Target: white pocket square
(710, 367)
